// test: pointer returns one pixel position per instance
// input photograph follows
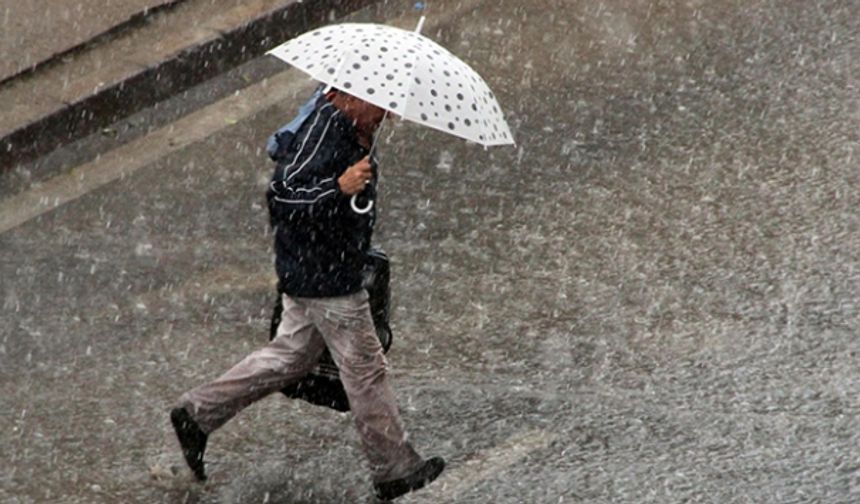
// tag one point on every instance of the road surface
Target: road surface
(652, 298)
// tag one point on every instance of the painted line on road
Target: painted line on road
(483, 465)
(131, 157)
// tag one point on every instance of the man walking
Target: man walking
(321, 243)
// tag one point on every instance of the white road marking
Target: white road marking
(129, 158)
(457, 480)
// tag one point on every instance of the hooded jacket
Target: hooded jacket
(321, 244)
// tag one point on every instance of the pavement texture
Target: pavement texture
(84, 83)
(653, 298)
(35, 32)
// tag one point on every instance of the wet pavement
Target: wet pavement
(34, 31)
(652, 298)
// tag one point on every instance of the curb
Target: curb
(133, 21)
(183, 70)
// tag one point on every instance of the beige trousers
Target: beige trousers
(308, 325)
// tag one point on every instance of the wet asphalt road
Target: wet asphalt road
(652, 298)
(33, 32)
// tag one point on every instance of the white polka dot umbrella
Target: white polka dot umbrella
(403, 72)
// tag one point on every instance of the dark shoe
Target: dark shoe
(192, 439)
(430, 470)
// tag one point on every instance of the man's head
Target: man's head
(366, 116)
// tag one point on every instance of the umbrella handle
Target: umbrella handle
(360, 211)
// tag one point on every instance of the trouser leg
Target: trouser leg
(347, 328)
(289, 356)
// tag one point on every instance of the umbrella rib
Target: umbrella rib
(411, 78)
(340, 65)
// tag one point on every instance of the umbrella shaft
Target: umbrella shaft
(377, 135)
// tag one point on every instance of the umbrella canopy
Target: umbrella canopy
(403, 72)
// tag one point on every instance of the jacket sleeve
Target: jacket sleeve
(307, 183)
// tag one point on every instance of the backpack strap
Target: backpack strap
(279, 142)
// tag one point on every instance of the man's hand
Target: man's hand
(355, 177)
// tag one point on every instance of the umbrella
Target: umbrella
(402, 72)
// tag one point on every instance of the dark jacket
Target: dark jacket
(321, 244)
